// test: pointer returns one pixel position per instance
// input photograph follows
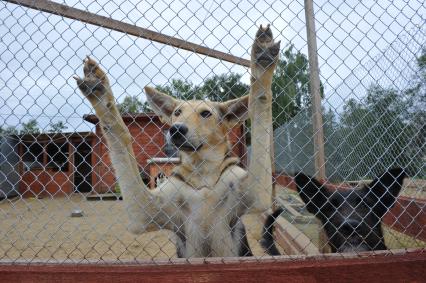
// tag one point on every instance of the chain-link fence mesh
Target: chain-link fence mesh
(382, 91)
(59, 196)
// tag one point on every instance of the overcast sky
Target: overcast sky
(40, 52)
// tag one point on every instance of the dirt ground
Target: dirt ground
(42, 229)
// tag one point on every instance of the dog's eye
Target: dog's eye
(177, 112)
(206, 114)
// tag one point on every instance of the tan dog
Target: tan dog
(204, 199)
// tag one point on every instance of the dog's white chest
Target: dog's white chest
(207, 216)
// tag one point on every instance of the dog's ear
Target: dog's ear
(383, 191)
(313, 193)
(162, 104)
(234, 112)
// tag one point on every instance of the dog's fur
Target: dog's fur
(351, 218)
(205, 197)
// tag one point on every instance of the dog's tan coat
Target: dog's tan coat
(208, 199)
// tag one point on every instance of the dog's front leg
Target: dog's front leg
(264, 57)
(141, 205)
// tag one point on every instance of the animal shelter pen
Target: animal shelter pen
(61, 208)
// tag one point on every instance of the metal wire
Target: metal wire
(59, 196)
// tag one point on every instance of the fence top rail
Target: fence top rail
(101, 21)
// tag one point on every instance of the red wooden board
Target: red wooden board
(382, 267)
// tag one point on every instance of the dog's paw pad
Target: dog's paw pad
(265, 50)
(94, 80)
(266, 56)
(92, 69)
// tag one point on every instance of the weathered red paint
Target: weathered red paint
(408, 216)
(387, 266)
(285, 181)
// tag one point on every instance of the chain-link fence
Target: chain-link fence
(70, 183)
(382, 89)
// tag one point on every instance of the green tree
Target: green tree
(416, 109)
(10, 131)
(223, 87)
(31, 127)
(416, 96)
(182, 90)
(132, 105)
(216, 88)
(421, 61)
(294, 149)
(376, 135)
(332, 139)
(57, 127)
(290, 86)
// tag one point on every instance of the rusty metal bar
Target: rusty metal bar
(101, 21)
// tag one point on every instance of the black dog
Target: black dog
(351, 218)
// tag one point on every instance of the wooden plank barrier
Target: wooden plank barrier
(292, 240)
(388, 266)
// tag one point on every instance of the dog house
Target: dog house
(54, 164)
(9, 167)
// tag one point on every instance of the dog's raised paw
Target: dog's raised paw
(92, 69)
(265, 51)
(95, 79)
(264, 34)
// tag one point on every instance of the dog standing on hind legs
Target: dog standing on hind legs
(205, 197)
(352, 218)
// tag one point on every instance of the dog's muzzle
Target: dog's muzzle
(177, 134)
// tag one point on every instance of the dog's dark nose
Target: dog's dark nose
(350, 225)
(178, 131)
